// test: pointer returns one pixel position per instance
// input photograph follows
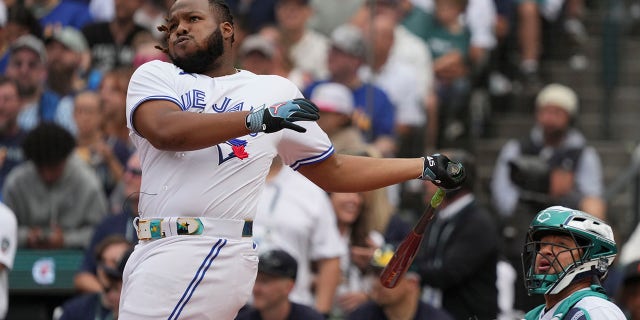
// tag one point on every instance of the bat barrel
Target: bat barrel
(401, 260)
(407, 250)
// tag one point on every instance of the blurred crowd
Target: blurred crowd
(391, 78)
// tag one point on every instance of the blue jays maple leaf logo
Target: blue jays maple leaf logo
(237, 150)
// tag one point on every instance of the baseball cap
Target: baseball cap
(256, 42)
(560, 96)
(70, 37)
(632, 272)
(349, 39)
(278, 263)
(32, 43)
(333, 97)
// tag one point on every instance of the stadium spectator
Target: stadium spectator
(336, 105)
(112, 254)
(27, 66)
(253, 15)
(458, 259)
(54, 14)
(310, 236)
(449, 41)
(277, 272)
(92, 145)
(374, 113)
(330, 14)
(479, 16)
(256, 54)
(57, 199)
(68, 61)
(399, 302)
(119, 223)
(399, 81)
(305, 48)
(554, 164)
(113, 96)
(11, 134)
(111, 42)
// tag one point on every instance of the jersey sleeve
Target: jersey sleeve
(300, 148)
(297, 149)
(154, 80)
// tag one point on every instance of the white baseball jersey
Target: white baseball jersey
(8, 245)
(223, 181)
(297, 216)
(207, 276)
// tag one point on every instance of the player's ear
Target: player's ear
(226, 29)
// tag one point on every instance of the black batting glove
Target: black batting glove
(282, 115)
(442, 172)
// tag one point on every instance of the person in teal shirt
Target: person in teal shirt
(449, 41)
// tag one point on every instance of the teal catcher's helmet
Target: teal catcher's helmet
(594, 240)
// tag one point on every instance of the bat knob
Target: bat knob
(456, 176)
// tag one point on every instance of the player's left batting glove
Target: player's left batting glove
(282, 115)
(442, 172)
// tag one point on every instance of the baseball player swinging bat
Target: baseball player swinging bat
(406, 252)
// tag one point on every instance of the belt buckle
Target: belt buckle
(150, 229)
(189, 226)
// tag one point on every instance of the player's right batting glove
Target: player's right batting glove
(443, 172)
(282, 115)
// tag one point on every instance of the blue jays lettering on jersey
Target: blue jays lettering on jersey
(194, 99)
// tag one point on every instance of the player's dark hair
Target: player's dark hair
(219, 8)
(48, 144)
(222, 9)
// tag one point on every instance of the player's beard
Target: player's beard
(202, 60)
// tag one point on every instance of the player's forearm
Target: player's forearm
(344, 173)
(326, 283)
(184, 131)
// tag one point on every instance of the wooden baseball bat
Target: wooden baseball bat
(407, 250)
